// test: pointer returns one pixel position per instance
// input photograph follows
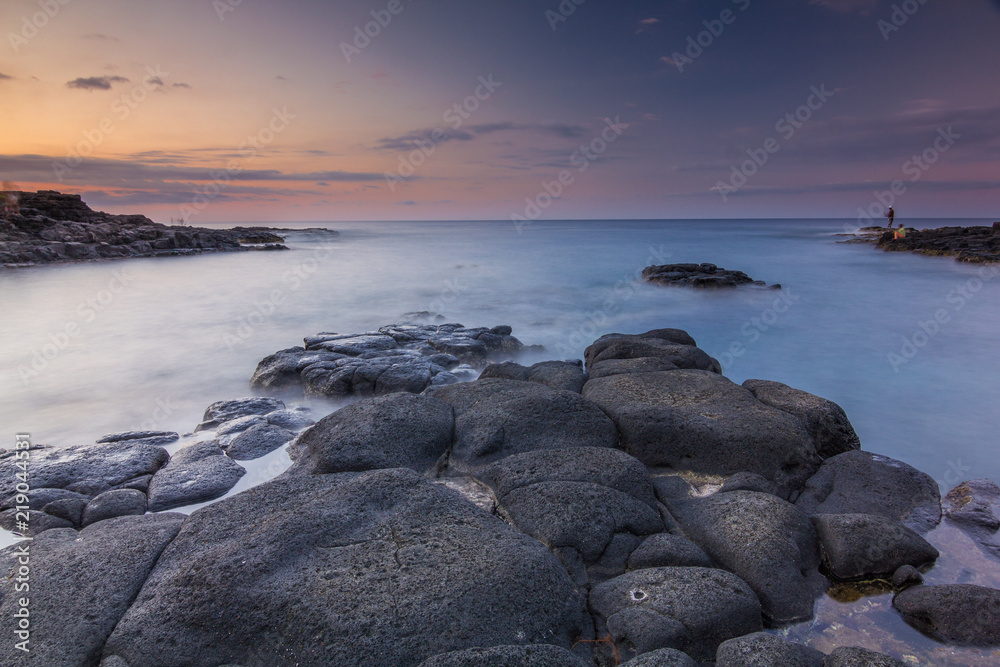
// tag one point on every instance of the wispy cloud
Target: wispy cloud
(181, 85)
(5, 76)
(411, 140)
(96, 82)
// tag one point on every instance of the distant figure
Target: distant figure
(892, 217)
(900, 232)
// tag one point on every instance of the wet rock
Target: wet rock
(700, 421)
(769, 543)
(195, 474)
(120, 502)
(763, 650)
(499, 418)
(664, 657)
(257, 441)
(294, 420)
(155, 438)
(70, 509)
(691, 609)
(555, 374)
(89, 469)
(395, 431)
(666, 550)
(953, 614)
(695, 275)
(906, 575)
(859, 482)
(825, 421)
(854, 656)
(623, 366)
(239, 424)
(859, 546)
(81, 585)
(538, 655)
(37, 522)
(320, 570)
(223, 411)
(974, 507)
(666, 345)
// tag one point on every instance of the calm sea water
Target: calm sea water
(87, 349)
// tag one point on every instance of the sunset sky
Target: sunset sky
(255, 110)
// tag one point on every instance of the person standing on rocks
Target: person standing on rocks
(892, 217)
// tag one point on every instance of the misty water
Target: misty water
(93, 348)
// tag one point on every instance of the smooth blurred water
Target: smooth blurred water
(157, 340)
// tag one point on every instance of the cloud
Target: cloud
(100, 36)
(649, 21)
(408, 202)
(181, 85)
(413, 140)
(96, 82)
(5, 76)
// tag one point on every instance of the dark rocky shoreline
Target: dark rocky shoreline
(704, 276)
(49, 227)
(974, 245)
(642, 510)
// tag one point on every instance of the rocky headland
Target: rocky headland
(976, 245)
(639, 510)
(46, 227)
(705, 276)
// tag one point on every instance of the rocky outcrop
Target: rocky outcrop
(54, 227)
(974, 506)
(376, 568)
(954, 614)
(698, 275)
(863, 546)
(978, 245)
(555, 374)
(396, 358)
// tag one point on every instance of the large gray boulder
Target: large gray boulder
(538, 655)
(608, 367)
(974, 507)
(953, 614)
(395, 431)
(855, 656)
(764, 650)
(691, 609)
(668, 345)
(769, 543)
(195, 474)
(256, 441)
(859, 482)
(664, 657)
(381, 567)
(825, 421)
(499, 418)
(81, 585)
(700, 421)
(86, 469)
(666, 550)
(222, 411)
(118, 502)
(859, 546)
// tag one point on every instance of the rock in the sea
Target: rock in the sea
(119, 502)
(764, 650)
(700, 421)
(538, 655)
(664, 657)
(86, 469)
(498, 418)
(765, 540)
(394, 431)
(703, 275)
(953, 614)
(555, 374)
(855, 656)
(859, 482)
(825, 421)
(906, 575)
(974, 506)
(859, 546)
(81, 585)
(156, 438)
(224, 411)
(257, 441)
(380, 568)
(691, 609)
(197, 473)
(671, 347)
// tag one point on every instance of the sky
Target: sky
(326, 110)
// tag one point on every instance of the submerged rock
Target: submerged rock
(974, 507)
(859, 546)
(380, 567)
(953, 614)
